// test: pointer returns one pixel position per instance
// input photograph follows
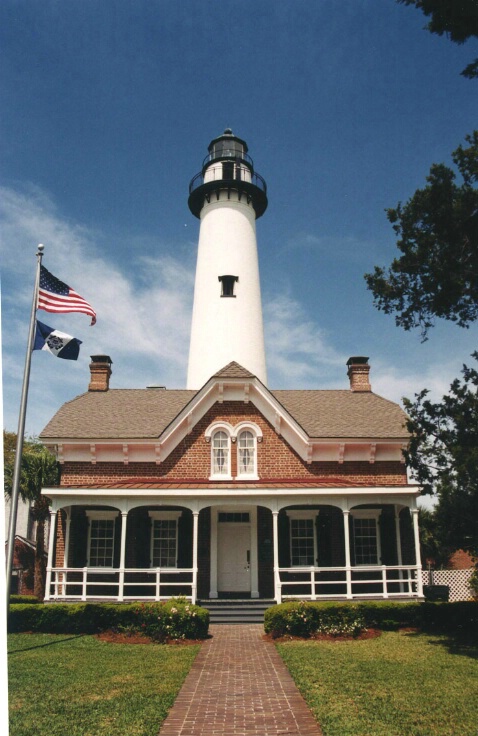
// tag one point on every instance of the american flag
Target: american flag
(55, 296)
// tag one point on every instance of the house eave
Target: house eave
(206, 496)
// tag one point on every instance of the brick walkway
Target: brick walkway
(239, 686)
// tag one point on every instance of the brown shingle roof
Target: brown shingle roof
(145, 413)
(118, 414)
(344, 413)
(233, 370)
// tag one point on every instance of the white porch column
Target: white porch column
(399, 545)
(124, 519)
(418, 561)
(195, 556)
(348, 571)
(51, 547)
(275, 544)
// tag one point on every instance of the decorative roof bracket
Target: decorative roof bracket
(341, 452)
(373, 452)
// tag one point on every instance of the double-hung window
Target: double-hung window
(101, 538)
(303, 540)
(366, 536)
(164, 538)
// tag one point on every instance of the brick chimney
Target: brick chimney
(358, 370)
(100, 370)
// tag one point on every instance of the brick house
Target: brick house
(228, 489)
(232, 490)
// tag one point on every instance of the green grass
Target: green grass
(62, 685)
(395, 685)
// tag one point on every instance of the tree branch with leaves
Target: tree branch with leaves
(38, 469)
(436, 274)
(457, 19)
(443, 454)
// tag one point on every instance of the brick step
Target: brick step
(249, 611)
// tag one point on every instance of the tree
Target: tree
(39, 469)
(437, 229)
(436, 276)
(433, 551)
(443, 453)
(458, 19)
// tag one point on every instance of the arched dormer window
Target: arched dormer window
(219, 435)
(246, 451)
(220, 453)
(248, 435)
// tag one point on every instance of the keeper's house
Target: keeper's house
(228, 489)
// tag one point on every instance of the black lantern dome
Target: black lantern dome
(227, 167)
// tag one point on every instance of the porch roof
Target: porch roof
(162, 485)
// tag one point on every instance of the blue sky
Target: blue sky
(107, 111)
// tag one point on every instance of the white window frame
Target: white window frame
(164, 516)
(257, 437)
(374, 515)
(210, 433)
(94, 515)
(232, 434)
(298, 515)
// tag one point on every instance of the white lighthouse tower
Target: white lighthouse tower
(227, 196)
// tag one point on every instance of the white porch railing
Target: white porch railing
(86, 583)
(367, 581)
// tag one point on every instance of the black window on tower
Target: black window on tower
(227, 283)
(228, 170)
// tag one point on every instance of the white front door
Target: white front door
(233, 557)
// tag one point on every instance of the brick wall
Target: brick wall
(59, 552)
(191, 459)
(460, 560)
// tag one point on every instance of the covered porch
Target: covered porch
(278, 543)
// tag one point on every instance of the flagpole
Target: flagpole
(21, 430)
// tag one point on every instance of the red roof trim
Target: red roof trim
(152, 484)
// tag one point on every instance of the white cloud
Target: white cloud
(143, 307)
(395, 382)
(299, 354)
(144, 310)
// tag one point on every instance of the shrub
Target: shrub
(23, 599)
(304, 618)
(389, 615)
(175, 619)
(458, 619)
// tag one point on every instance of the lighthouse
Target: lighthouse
(227, 196)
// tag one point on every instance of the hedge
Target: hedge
(174, 619)
(304, 618)
(23, 599)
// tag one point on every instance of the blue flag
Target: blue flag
(55, 342)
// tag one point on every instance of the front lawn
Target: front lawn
(81, 686)
(399, 684)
